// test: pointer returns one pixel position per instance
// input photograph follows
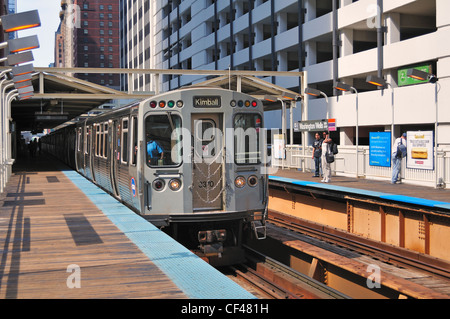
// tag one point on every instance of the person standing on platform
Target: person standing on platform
(317, 154)
(326, 167)
(398, 152)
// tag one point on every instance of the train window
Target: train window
(100, 148)
(86, 139)
(247, 149)
(105, 140)
(205, 132)
(124, 144)
(134, 141)
(97, 138)
(163, 140)
(79, 139)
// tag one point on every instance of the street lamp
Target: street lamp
(18, 53)
(317, 93)
(421, 75)
(22, 69)
(346, 88)
(18, 58)
(20, 21)
(22, 44)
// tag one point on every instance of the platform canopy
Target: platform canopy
(58, 98)
(254, 86)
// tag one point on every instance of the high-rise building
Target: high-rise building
(89, 37)
(334, 41)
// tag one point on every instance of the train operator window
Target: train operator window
(163, 140)
(247, 129)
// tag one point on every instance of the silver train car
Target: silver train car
(190, 161)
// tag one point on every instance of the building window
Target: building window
(86, 6)
(85, 31)
(102, 16)
(101, 7)
(110, 7)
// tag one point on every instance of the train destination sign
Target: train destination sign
(206, 101)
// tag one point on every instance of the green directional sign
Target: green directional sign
(404, 79)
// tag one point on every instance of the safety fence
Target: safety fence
(346, 165)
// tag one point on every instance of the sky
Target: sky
(49, 15)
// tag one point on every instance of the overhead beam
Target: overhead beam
(92, 96)
(170, 71)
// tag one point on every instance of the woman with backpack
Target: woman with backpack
(326, 158)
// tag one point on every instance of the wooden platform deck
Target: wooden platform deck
(53, 239)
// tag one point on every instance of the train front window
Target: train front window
(162, 137)
(247, 147)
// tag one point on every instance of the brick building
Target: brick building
(89, 37)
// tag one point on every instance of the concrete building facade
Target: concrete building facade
(333, 41)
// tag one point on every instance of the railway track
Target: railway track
(345, 262)
(386, 253)
(269, 279)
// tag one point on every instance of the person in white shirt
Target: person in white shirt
(326, 167)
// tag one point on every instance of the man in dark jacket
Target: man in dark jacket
(317, 153)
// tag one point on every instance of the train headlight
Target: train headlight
(233, 103)
(158, 184)
(171, 104)
(153, 104)
(239, 182)
(175, 184)
(252, 181)
(180, 103)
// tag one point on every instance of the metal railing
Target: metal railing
(345, 165)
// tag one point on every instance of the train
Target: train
(191, 161)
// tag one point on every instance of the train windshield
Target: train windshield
(247, 147)
(162, 138)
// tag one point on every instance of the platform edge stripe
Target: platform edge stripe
(393, 197)
(196, 278)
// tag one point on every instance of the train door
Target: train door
(79, 150)
(115, 154)
(207, 162)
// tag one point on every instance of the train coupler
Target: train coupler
(211, 242)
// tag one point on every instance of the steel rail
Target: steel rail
(362, 245)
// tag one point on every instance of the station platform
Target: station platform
(63, 237)
(429, 197)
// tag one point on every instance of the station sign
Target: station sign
(315, 126)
